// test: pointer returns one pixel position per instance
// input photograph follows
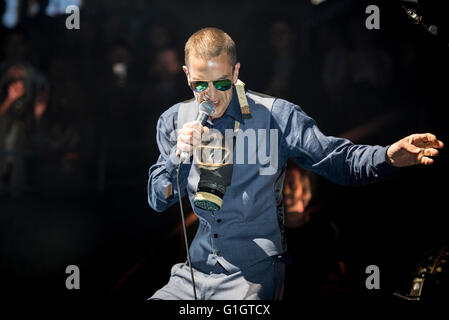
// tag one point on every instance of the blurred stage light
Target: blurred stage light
(316, 2)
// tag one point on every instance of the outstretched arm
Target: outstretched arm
(336, 159)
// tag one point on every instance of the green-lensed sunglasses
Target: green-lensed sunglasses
(200, 86)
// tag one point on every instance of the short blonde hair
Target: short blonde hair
(209, 43)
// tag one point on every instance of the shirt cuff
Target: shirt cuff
(383, 166)
(172, 163)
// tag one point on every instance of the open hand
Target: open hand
(415, 149)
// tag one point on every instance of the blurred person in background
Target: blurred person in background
(121, 120)
(313, 240)
(165, 82)
(297, 195)
(282, 40)
(167, 78)
(23, 101)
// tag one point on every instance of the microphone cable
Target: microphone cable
(184, 230)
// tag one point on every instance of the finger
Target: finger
(200, 128)
(430, 152)
(186, 131)
(193, 138)
(426, 161)
(423, 139)
(184, 147)
(191, 124)
(196, 140)
(197, 132)
(195, 125)
(185, 139)
(431, 141)
(411, 148)
(438, 144)
(189, 132)
(423, 157)
(192, 134)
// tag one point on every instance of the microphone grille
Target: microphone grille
(207, 107)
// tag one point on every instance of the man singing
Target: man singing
(238, 251)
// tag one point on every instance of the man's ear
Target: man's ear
(186, 71)
(235, 77)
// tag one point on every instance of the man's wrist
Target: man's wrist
(387, 156)
(172, 162)
(383, 162)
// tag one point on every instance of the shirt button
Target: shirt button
(219, 220)
(215, 235)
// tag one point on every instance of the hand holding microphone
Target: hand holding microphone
(191, 132)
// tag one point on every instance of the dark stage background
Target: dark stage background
(83, 200)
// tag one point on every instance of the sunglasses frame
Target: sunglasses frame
(191, 85)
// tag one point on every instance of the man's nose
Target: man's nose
(211, 92)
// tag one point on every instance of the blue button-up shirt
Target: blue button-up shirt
(247, 228)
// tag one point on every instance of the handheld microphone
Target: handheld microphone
(206, 109)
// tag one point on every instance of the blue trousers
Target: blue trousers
(261, 281)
